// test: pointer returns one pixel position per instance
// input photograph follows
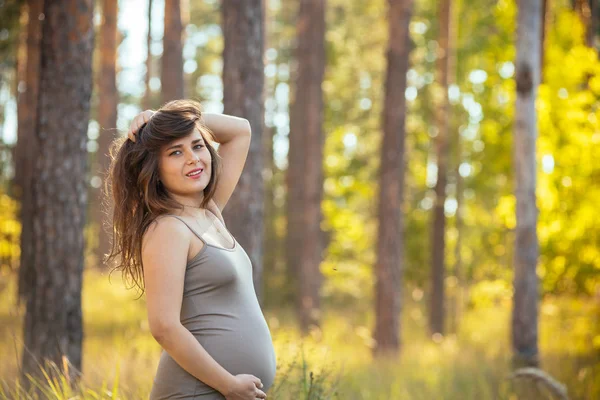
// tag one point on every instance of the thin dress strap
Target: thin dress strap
(186, 224)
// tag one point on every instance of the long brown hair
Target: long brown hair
(133, 186)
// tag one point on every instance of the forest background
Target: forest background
(453, 298)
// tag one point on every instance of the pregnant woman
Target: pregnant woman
(169, 185)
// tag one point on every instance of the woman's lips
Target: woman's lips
(195, 174)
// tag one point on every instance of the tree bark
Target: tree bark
(437, 312)
(107, 119)
(243, 86)
(53, 328)
(26, 149)
(588, 11)
(172, 57)
(545, 16)
(525, 306)
(390, 238)
(306, 166)
(147, 99)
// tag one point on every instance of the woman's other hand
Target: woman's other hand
(137, 123)
(245, 387)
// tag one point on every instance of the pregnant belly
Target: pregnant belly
(242, 351)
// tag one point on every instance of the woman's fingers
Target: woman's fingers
(258, 383)
(137, 123)
(260, 394)
(147, 115)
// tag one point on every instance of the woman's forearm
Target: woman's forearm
(226, 127)
(183, 347)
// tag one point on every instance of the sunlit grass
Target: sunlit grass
(335, 362)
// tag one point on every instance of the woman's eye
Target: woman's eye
(175, 152)
(199, 146)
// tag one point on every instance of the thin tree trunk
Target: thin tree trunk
(545, 16)
(53, 320)
(438, 242)
(172, 57)
(26, 149)
(592, 33)
(306, 133)
(390, 238)
(525, 306)
(294, 193)
(588, 13)
(107, 119)
(243, 86)
(146, 101)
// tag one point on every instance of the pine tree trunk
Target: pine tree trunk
(525, 307)
(305, 169)
(438, 242)
(588, 11)
(107, 119)
(146, 100)
(243, 86)
(545, 16)
(592, 33)
(26, 150)
(390, 238)
(172, 57)
(53, 320)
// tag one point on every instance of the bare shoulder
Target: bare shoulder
(165, 233)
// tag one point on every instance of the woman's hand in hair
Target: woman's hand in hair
(137, 123)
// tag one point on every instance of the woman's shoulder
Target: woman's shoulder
(166, 226)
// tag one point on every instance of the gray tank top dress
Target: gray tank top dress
(220, 309)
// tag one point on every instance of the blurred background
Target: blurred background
(395, 143)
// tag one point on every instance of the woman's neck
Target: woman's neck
(189, 204)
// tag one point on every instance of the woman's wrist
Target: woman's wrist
(226, 386)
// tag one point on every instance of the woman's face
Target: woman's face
(185, 166)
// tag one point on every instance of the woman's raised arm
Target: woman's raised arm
(233, 135)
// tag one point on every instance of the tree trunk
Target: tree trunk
(438, 243)
(26, 150)
(146, 100)
(107, 119)
(592, 33)
(53, 321)
(305, 169)
(172, 57)
(525, 306)
(390, 238)
(545, 16)
(588, 13)
(243, 85)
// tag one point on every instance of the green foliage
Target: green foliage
(482, 104)
(10, 231)
(569, 103)
(10, 11)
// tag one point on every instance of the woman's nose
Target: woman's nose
(193, 159)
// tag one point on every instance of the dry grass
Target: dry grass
(120, 355)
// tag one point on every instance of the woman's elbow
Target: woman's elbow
(247, 128)
(162, 331)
